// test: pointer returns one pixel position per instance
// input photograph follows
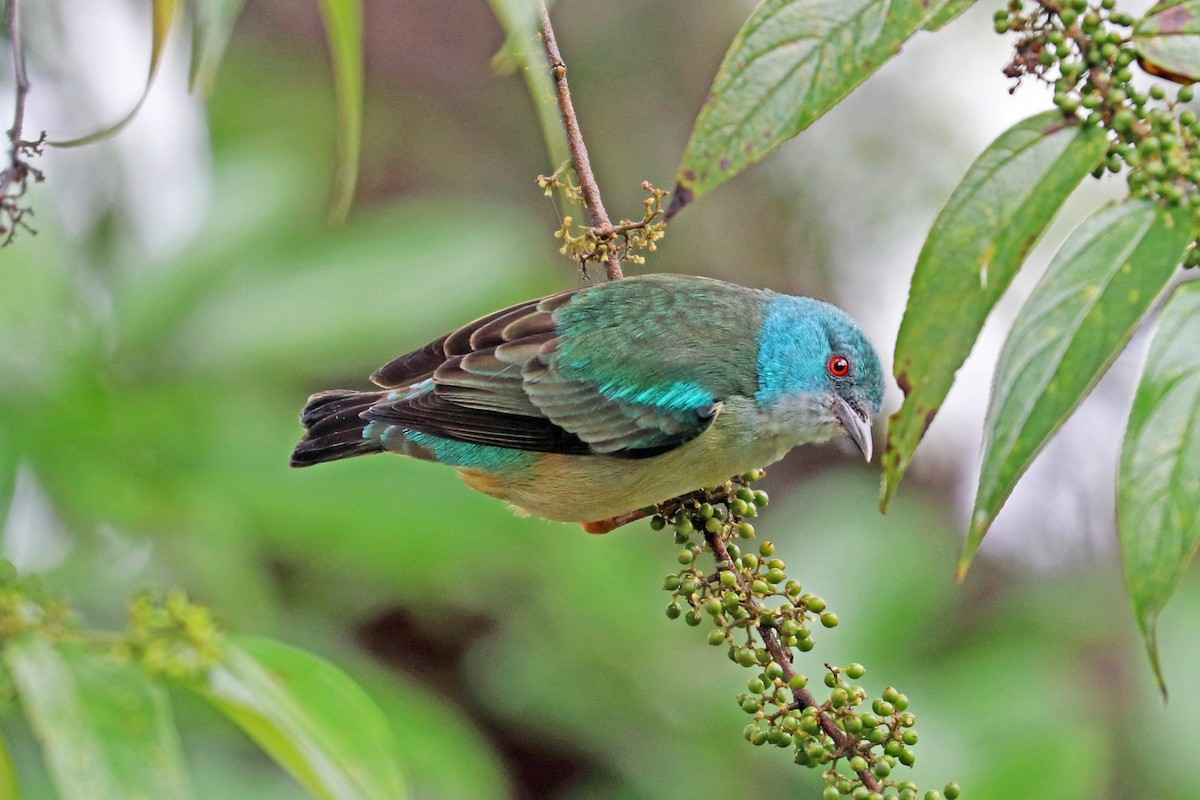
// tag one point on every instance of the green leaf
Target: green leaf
(791, 62)
(312, 719)
(950, 12)
(1168, 40)
(105, 727)
(978, 242)
(9, 790)
(1080, 316)
(162, 16)
(212, 24)
(1158, 518)
(344, 29)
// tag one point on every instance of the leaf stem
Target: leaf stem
(598, 217)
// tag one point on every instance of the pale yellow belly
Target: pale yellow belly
(588, 488)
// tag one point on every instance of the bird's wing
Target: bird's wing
(571, 373)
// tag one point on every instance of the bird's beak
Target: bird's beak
(856, 425)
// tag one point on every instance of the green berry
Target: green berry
(745, 530)
(855, 671)
(951, 791)
(830, 793)
(883, 708)
(692, 618)
(830, 619)
(673, 611)
(716, 637)
(909, 737)
(798, 682)
(671, 583)
(684, 526)
(657, 523)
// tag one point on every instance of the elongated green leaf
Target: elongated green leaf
(950, 12)
(978, 242)
(1079, 318)
(212, 24)
(1168, 40)
(106, 729)
(344, 30)
(1158, 512)
(162, 17)
(791, 62)
(316, 722)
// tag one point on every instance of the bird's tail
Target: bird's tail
(333, 427)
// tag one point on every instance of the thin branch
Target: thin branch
(14, 178)
(598, 217)
(803, 697)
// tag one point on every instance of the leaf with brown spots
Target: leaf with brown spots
(1081, 314)
(1168, 40)
(978, 242)
(1158, 518)
(791, 62)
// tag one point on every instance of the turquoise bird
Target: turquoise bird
(592, 403)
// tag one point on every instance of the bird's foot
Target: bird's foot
(611, 524)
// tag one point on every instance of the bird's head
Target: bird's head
(818, 374)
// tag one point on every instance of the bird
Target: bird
(593, 403)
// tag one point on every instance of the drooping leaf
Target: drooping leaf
(162, 17)
(1158, 516)
(1078, 319)
(1167, 39)
(994, 217)
(212, 24)
(105, 727)
(791, 62)
(344, 30)
(310, 717)
(950, 12)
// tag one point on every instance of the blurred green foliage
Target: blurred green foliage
(155, 405)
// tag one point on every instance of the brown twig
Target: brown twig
(803, 697)
(597, 216)
(16, 175)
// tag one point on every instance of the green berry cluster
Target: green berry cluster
(1086, 51)
(761, 617)
(171, 637)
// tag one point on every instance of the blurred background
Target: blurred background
(183, 296)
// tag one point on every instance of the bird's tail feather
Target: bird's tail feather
(334, 427)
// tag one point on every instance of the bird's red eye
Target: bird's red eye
(838, 366)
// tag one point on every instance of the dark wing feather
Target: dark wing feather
(497, 381)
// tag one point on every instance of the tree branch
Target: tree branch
(597, 216)
(14, 178)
